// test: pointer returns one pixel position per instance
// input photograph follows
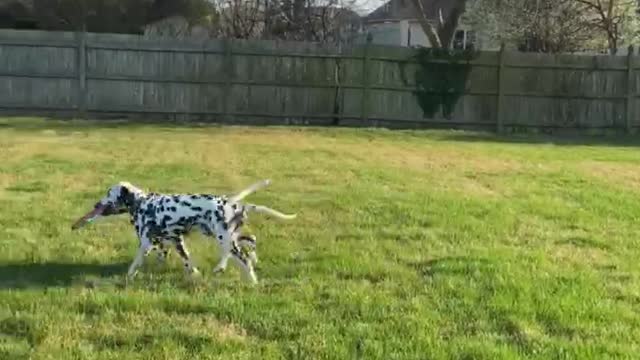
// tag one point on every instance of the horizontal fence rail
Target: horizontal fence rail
(245, 81)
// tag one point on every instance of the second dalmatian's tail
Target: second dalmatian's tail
(250, 190)
(259, 208)
(266, 210)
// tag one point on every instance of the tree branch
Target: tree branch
(426, 26)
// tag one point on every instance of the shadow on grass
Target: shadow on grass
(452, 265)
(50, 274)
(559, 138)
(619, 140)
(584, 242)
(195, 343)
(40, 124)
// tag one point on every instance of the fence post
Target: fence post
(630, 91)
(227, 67)
(82, 74)
(500, 102)
(365, 81)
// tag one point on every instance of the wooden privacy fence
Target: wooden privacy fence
(239, 81)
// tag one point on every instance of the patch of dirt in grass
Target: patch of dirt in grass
(197, 330)
(627, 175)
(476, 188)
(440, 167)
(571, 253)
(49, 149)
(522, 333)
(435, 159)
(6, 180)
(223, 331)
(431, 157)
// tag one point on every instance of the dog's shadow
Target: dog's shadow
(54, 274)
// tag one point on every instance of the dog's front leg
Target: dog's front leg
(222, 264)
(143, 251)
(226, 245)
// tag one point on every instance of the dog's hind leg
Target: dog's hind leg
(231, 250)
(249, 241)
(163, 250)
(184, 254)
(244, 263)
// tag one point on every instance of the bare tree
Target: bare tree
(558, 25)
(440, 35)
(536, 25)
(614, 18)
(119, 16)
(305, 20)
(242, 19)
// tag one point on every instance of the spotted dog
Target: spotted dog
(161, 220)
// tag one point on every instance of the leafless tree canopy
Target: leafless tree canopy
(616, 19)
(311, 20)
(558, 25)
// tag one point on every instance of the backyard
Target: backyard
(407, 245)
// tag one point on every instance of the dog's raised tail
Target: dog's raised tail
(269, 211)
(250, 190)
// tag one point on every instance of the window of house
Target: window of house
(458, 40)
(464, 39)
(470, 41)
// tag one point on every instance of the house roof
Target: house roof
(395, 10)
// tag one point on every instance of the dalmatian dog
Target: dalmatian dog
(161, 220)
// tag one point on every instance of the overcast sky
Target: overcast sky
(363, 7)
(367, 6)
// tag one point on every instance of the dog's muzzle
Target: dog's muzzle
(97, 211)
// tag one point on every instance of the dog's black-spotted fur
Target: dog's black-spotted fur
(161, 220)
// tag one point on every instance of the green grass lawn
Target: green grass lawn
(407, 245)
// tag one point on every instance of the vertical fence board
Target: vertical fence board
(630, 91)
(501, 90)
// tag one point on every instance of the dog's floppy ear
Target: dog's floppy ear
(126, 196)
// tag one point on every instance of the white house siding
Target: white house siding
(410, 33)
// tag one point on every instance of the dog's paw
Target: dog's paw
(253, 279)
(254, 258)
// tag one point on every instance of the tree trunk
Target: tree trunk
(442, 36)
(613, 44)
(612, 31)
(447, 30)
(426, 26)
